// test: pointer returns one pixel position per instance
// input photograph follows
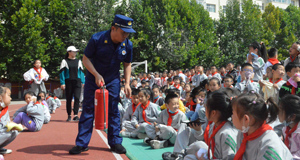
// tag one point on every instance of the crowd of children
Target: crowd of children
(30, 117)
(248, 112)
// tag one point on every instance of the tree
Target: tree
(21, 42)
(171, 33)
(239, 25)
(277, 33)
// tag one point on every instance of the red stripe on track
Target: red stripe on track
(54, 141)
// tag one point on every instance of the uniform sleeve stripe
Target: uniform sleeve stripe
(266, 157)
(232, 139)
(230, 146)
(270, 154)
(275, 152)
(228, 140)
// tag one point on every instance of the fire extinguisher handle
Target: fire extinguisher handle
(102, 85)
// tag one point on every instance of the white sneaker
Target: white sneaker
(142, 135)
(125, 134)
(156, 144)
(5, 151)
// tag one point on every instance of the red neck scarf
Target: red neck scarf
(191, 105)
(3, 112)
(47, 97)
(223, 74)
(180, 72)
(177, 86)
(134, 107)
(253, 136)
(144, 113)
(206, 132)
(170, 117)
(211, 138)
(155, 100)
(292, 59)
(163, 79)
(39, 72)
(293, 89)
(55, 97)
(214, 73)
(273, 61)
(288, 134)
(37, 102)
(270, 80)
(190, 78)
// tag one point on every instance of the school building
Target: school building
(214, 6)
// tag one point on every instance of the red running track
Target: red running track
(55, 139)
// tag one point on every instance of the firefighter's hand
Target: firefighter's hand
(98, 80)
(127, 91)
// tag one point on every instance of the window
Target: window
(211, 7)
(224, 8)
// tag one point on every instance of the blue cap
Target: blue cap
(125, 23)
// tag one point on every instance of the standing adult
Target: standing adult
(71, 79)
(102, 57)
(294, 52)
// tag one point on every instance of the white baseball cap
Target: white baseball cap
(72, 48)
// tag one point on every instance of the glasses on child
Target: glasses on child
(227, 81)
(249, 70)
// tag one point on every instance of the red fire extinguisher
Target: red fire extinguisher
(101, 108)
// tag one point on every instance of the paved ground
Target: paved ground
(55, 139)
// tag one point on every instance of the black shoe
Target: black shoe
(77, 150)
(69, 119)
(118, 148)
(5, 151)
(172, 156)
(76, 118)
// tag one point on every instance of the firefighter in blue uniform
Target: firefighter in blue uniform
(102, 57)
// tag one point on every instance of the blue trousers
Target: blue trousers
(85, 125)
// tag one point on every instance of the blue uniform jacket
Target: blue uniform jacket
(105, 58)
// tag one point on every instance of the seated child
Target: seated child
(145, 113)
(289, 111)
(273, 55)
(228, 81)
(219, 136)
(157, 98)
(196, 99)
(214, 73)
(51, 102)
(164, 130)
(57, 100)
(247, 84)
(176, 91)
(31, 115)
(187, 89)
(46, 108)
(7, 135)
(276, 81)
(214, 84)
(292, 70)
(256, 139)
(176, 84)
(126, 121)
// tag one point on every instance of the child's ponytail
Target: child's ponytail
(272, 110)
(262, 50)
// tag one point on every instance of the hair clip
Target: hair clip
(254, 102)
(252, 91)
